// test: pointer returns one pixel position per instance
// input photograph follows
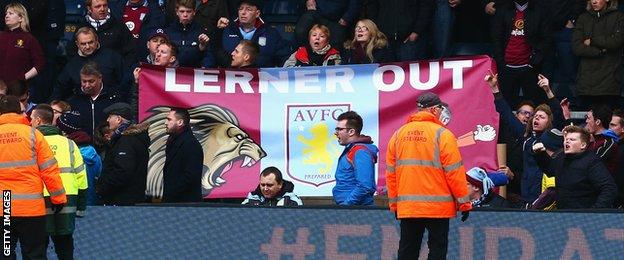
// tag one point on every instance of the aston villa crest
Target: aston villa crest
(311, 147)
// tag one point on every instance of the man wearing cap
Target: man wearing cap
(157, 37)
(426, 180)
(69, 124)
(274, 50)
(141, 17)
(481, 189)
(124, 173)
(60, 225)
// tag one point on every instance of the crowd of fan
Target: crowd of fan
(562, 38)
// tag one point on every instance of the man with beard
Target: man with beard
(184, 161)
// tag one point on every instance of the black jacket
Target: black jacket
(153, 20)
(398, 18)
(124, 170)
(91, 111)
(536, 29)
(110, 65)
(183, 168)
(114, 35)
(285, 197)
(494, 201)
(582, 181)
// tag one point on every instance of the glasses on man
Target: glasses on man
(525, 113)
(361, 29)
(338, 129)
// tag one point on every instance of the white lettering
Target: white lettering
(280, 83)
(342, 76)
(170, 82)
(378, 75)
(434, 76)
(458, 71)
(307, 76)
(203, 76)
(242, 78)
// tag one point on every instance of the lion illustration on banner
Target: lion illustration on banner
(217, 130)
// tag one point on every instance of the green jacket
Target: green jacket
(600, 62)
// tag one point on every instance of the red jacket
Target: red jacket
(19, 52)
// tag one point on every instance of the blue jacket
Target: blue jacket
(531, 182)
(274, 50)
(355, 183)
(93, 162)
(336, 9)
(154, 19)
(186, 39)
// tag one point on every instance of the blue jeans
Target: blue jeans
(410, 51)
(442, 28)
(561, 65)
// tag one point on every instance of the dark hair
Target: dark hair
(273, 170)
(602, 113)
(91, 68)
(45, 112)
(182, 113)
(577, 129)
(99, 138)
(250, 48)
(17, 88)
(525, 103)
(3, 86)
(9, 104)
(619, 113)
(353, 120)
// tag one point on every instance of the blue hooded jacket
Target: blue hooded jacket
(93, 163)
(355, 183)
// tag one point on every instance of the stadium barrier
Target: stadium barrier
(209, 231)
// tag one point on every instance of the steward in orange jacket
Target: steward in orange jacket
(26, 164)
(426, 180)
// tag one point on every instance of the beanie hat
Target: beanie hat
(552, 140)
(478, 177)
(69, 122)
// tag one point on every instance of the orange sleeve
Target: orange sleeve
(454, 170)
(391, 179)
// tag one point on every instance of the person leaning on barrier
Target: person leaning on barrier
(481, 189)
(273, 191)
(582, 180)
(426, 180)
(124, 172)
(355, 171)
(26, 164)
(60, 225)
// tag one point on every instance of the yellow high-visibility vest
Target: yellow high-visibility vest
(72, 168)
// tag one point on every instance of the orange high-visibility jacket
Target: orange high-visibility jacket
(26, 163)
(424, 170)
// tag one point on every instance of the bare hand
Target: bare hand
(538, 148)
(504, 169)
(203, 41)
(453, 3)
(342, 22)
(311, 4)
(587, 42)
(412, 37)
(223, 22)
(489, 8)
(565, 107)
(136, 74)
(492, 80)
